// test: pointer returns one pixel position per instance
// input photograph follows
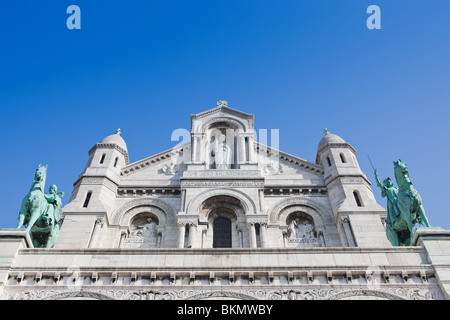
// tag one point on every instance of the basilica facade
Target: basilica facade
(224, 217)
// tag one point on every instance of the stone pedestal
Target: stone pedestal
(11, 240)
(436, 242)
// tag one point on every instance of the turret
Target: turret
(349, 191)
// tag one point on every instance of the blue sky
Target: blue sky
(299, 66)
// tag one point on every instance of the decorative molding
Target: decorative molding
(222, 184)
(169, 211)
(255, 294)
(288, 158)
(168, 154)
(275, 212)
(242, 174)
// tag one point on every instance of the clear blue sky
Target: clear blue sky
(299, 66)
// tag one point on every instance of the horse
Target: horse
(409, 205)
(34, 203)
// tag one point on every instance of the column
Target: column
(241, 147)
(194, 148)
(234, 235)
(263, 234)
(181, 234)
(261, 199)
(252, 234)
(204, 237)
(251, 150)
(192, 232)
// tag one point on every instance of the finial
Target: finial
(325, 131)
(119, 132)
(222, 104)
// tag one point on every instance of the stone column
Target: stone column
(251, 150)
(181, 234)
(194, 148)
(261, 199)
(241, 148)
(204, 237)
(252, 234)
(263, 234)
(192, 232)
(234, 235)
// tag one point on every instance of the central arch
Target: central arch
(247, 204)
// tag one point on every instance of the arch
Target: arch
(248, 204)
(165, 212)
(278, 213)
(364, 293)
(214, 294)
(235, 122)
(78, 294)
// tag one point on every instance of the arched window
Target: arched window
(103, 158)
(329, 161)
(87, 199)
(222, 233)
(115, 161)
(358, 201)
(342, 158)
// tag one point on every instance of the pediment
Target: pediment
(268, 158)
(164, 166)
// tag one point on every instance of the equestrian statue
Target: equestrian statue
(404, 206)
(41, 213)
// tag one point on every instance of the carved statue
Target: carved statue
(404, 206)
(222, 154)
(143, 233)
(41, 212)
(292, 228)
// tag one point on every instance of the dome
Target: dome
(329, 138)
(116, 139)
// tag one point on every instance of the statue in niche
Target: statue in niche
(221, 153)
(144, 233)
(292, 228)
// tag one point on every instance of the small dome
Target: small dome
(116, 139)
(329, 138)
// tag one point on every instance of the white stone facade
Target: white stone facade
(224, 217)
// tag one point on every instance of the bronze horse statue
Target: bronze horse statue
(41, 212)
(405, 208)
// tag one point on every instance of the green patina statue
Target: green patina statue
(41, 212)
(404, 206)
